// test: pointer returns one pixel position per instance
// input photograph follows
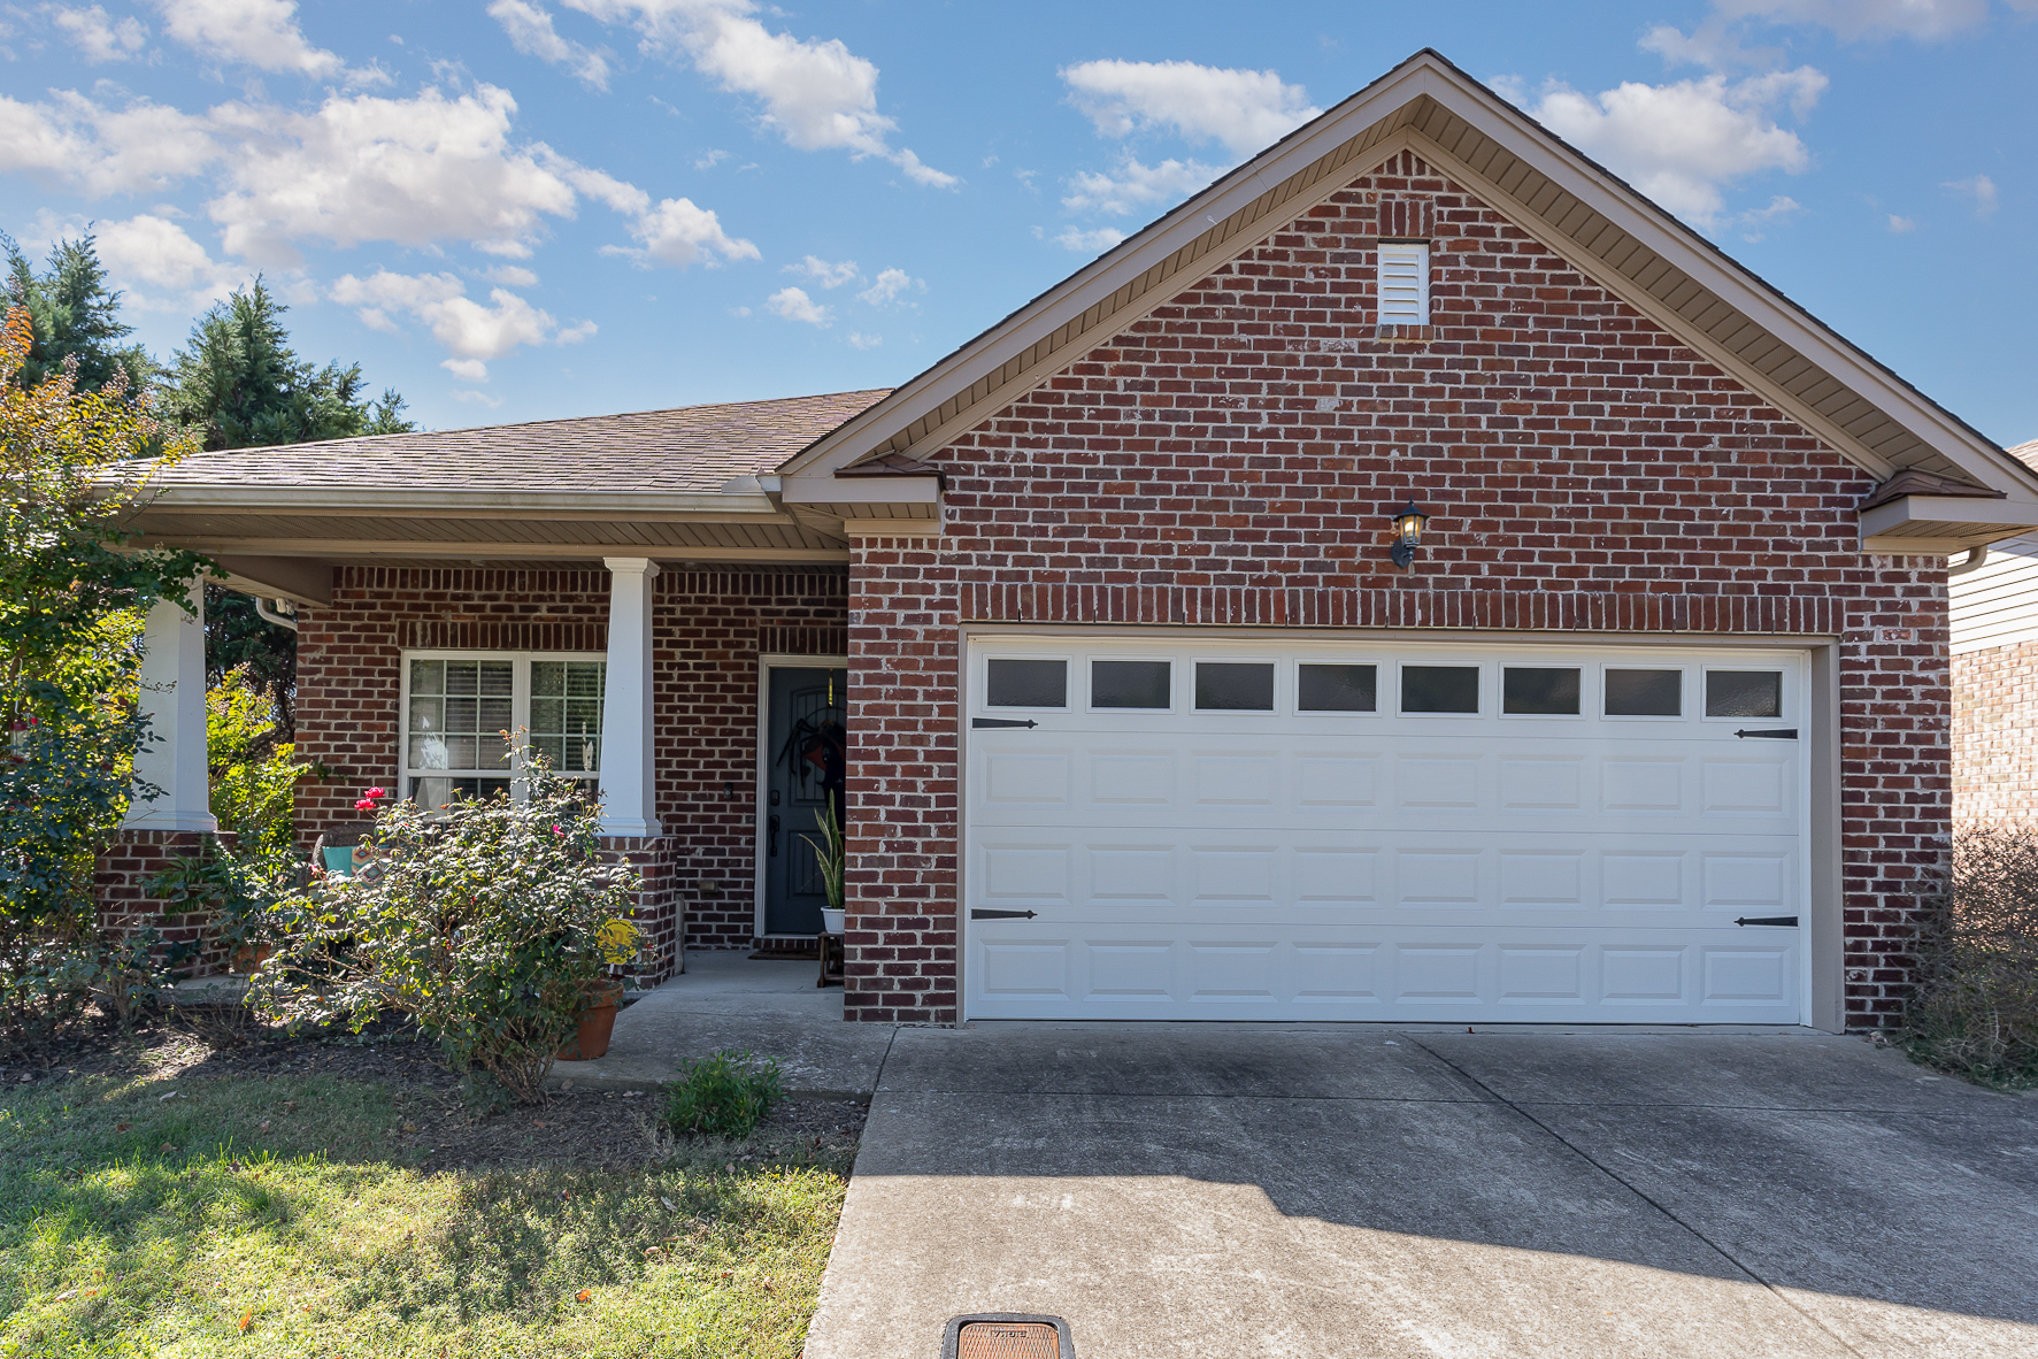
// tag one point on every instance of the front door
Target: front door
(804, 733)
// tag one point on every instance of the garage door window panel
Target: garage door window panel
(1440, 690)
(1142, 686)
(1644, 693)
(1235, 686)
(1026, 682)
(1337, 688)
(1540, 690)
(1744, 693)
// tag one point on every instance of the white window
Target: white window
(1404, 283)
(456, 705)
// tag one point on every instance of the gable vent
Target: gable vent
(1404, 283)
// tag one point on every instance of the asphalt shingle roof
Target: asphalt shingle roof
(687, 449)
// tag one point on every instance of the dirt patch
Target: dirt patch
(441, 1128)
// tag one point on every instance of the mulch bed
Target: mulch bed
(441, 1129)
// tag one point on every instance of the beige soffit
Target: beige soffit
(1594, 219)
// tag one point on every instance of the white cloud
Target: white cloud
(859, 340)
(794, 305)
(72, 141)
(708, 160)
(472, 332)
(512, 276)
(576, 333)
(1716, 41)
(889, 286)
(408, 171)
(1980, 189)
(1902, 226)
(1684, 143)
(475, 396)
(1094, 242)
(1136, 186)
(97, 35)
(814, 92)
(531, 32)
(825, 273)
(1243, 110)
(680, 232)
(156, 252)
(258, 33)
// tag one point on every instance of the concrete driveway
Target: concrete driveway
(1333, 1191)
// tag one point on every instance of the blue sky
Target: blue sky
(518, 209)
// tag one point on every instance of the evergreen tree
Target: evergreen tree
(73, 315)
(238, 384)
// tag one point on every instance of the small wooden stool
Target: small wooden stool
(831, 960)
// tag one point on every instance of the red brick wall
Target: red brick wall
(709, 626)
(1995, 735)
(128, 906)
(1230, 459)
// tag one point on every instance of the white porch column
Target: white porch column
(173, 698)
(627, 765)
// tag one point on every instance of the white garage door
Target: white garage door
(1294, 830)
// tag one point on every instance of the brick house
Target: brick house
(1416, 578)
(1994, 618)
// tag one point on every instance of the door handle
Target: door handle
(771, 837)
(983, 913)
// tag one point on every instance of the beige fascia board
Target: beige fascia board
(438, 503)
(891, 528)
(1096, 282)
(366, 549)
(873, 490)
(1949, 509)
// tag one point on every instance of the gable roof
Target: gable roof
(1548, 188)
(688, 449)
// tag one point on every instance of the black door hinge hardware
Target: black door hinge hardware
(1786, 920)
(980, 913)
(981, 722)
(1774, 734)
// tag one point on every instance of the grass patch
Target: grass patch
(160, 1215)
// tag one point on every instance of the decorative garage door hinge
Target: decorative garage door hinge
(980, 913)
(1774, 734)
(981, 722)
(1788, 921)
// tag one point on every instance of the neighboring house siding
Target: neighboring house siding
(1995, 687)
(709, 628)
(1995, 735)
(1997, 604)
(1229, 460)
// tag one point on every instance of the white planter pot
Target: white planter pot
(832, 920)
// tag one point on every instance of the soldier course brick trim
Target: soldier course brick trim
(1227, 460)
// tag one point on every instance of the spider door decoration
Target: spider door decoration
(817, 747)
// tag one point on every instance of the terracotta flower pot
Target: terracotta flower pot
(248, 957)
(597, 1023)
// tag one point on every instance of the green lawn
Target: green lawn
(289, 1215)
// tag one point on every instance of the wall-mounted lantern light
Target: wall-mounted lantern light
(1408, 526)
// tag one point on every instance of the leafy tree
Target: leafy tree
(74, 463)
(238, 383)
(75, 318)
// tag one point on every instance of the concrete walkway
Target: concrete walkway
(732, 1001)
(1261, 1190)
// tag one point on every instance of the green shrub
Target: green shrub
(723, 1095)
(488, 922)
(1975, 1009)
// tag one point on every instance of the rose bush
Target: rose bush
(487, 921)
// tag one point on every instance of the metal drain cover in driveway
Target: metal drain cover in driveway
(1007, 1335)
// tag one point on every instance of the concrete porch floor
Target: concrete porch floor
(729, 1000)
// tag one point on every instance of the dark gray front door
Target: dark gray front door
(804, 729)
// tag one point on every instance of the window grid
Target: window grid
(456, 703)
